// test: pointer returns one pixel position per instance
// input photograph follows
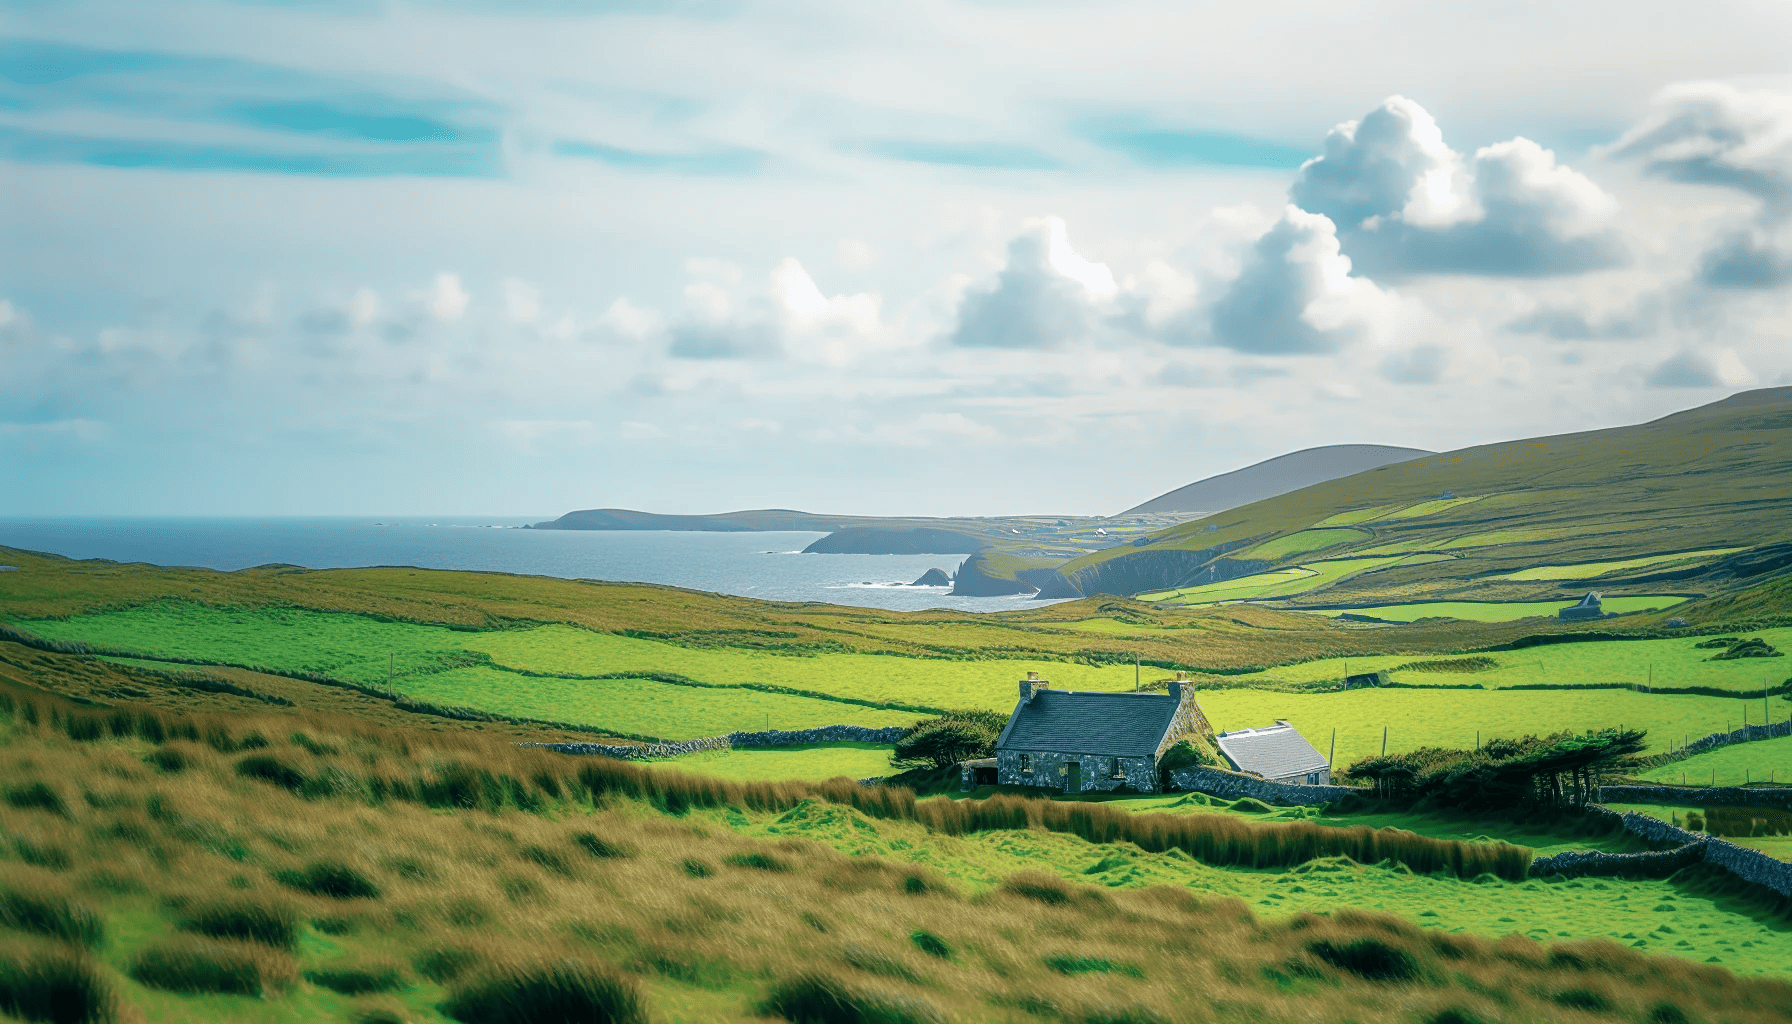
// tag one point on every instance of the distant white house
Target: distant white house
(1276, 753)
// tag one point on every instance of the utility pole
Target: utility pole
(1384, 739)
(1331, 758)
(1135, 671)
(391, 660)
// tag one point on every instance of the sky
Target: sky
(930, 258)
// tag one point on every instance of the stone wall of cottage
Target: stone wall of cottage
(1049, 771)
(1189, 721)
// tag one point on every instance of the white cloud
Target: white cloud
(1296, 295)
(790, 317)
(1405, 203)
(446, 300)
(1684, 370)
(1713, 133)
(1045, 297)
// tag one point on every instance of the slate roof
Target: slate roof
(1274, 752)
(1106, 724)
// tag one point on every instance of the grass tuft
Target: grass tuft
(357, 978)
(599, 847)
(37, 797)
(444, 964)
(820, 999)
(931, 944)
(757, 861)
(55, 985)
(53, 915)
(194, 964)
(333, 879)
(563, 991)
(1371, 959)
(271, 923)
(1039, 886)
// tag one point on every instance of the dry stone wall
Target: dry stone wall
(766, 738)
(1232, 786)
(1690, 848)
(1049, 769)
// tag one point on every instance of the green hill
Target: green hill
(1695, 503)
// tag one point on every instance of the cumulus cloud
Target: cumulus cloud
(1712, 133)
(1405, 202)
(1045, 297)
(1296, 294)
(789, 317)
(1422, 364)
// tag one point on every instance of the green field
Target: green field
(1280, 583)
(1451, 718)
(1303, 542)
(1629, 911)
(771, 764)
(1733, 765)
(1499, 611)
(1588, 570)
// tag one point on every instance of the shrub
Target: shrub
(59, 986)
(354, 979)
(193, 964)
(820, 999)
(53, 915)
(1251, 805)
(1667, 1013)
(564, 991)
(758, 861)
(445, 963)
(953, 737)
(272, 770)
(1371, 959)
(1695, 822)
(37, 797)
(1182, 754)
(597, 846)
(270, 923)
(334, 879)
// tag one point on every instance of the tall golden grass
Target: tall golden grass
(576, 894)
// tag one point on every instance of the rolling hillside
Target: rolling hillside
(1697, 503)
(1275, 476)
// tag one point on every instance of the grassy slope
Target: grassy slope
(1718, 476)
(1733, 765)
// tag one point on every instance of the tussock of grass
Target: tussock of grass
(443, 964)
(37, 796)
(356, 978)
(822, 999)
(31, 905)
(54, 984)
(272, 923)
(193, 964)
(599, 847)
(563, 991)
(756, 861)
(329, 878)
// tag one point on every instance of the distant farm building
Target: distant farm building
(1588, 608)
(1276, 753)
(1080, 742)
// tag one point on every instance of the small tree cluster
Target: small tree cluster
(958, 735)
(1563, 769)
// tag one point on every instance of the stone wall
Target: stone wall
(1749, 865)
(767, 738)
(1232, 785)
(1698, 796)
(1049, 771)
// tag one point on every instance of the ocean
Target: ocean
(763, 565)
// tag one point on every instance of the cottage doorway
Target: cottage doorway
(1074, 781)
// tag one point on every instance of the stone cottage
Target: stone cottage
(1588, 608)
(1275, 753)
(1083, 742)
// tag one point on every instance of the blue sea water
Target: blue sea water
(763, 565)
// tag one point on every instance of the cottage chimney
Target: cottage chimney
(1032, 685)
(1176, 690)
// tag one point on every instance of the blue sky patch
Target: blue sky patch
(431, 162)
(722, 161)
(368, 124)
(1170, 147)
(955, 154)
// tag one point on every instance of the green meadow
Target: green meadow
(1588, 570)
(1500, 611)
(816, 763)
(1651, 916)
(1734, 765)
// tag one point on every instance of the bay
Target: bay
(769, 566)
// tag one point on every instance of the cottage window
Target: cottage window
(1026, 762)
(1114, 770)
